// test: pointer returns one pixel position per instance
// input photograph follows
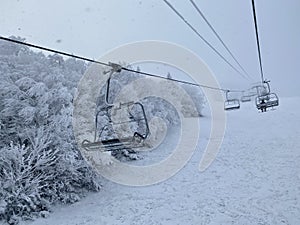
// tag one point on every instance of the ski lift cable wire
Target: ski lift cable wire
(54, 51)
(180, 81)
(219, 37)
(203, 39)
(257, 42)
(113, 65)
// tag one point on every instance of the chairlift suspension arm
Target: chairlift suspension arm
(115, 68)
(107, 90)
(227, 91)
(268, 85)
(257, 42)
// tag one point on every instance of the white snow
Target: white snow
(255, 179)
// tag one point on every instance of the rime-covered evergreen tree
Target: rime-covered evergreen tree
(39, 161)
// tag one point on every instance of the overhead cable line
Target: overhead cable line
(180, 81)
(257, 42)
(203, 39)
(52, 50)
(114, 65)
(218, 36)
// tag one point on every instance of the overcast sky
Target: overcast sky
(92, 27)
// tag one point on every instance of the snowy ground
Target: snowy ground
(255, 179)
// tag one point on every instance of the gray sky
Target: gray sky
(92, 27)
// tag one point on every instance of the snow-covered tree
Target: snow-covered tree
(39, 160)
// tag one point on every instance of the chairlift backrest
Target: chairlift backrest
(246, 98)
(232, 104)
(124, 120)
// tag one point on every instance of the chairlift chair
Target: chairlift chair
(129, 129)
(246, 97)
(231, 104)
(259, 89)
(266, 100)
(127, 123)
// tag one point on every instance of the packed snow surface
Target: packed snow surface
(255, 179)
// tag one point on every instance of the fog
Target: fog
(90, 28)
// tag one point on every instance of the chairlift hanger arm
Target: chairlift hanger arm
(115, 68)
(268, 85)
(257, 42)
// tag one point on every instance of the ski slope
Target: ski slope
(255, 179)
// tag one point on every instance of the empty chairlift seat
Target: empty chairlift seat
(118, 126)
(231, 104)
(245, 98)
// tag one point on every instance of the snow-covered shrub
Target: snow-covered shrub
(32, 178)
(39, 160)
(158, 107)
(24, 173)
(197, 97)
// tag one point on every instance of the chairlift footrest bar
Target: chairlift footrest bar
(109, 145)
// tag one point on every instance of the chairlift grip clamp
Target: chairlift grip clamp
(117, 68)
(114, 68)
